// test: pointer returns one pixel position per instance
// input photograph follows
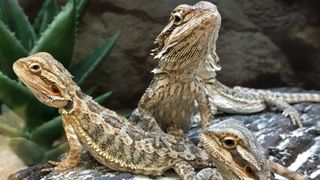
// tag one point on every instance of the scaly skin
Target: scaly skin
(110, 138)
(240, 100)
(187, 41)
(232, 146)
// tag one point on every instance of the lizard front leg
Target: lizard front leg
(187, 172)
(146, 102)
(74, 151)
(207, 109)
(149, 122)
(287, 109)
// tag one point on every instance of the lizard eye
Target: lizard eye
(229, 142)
(177, 18)
(35, 67)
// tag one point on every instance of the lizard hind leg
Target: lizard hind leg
(287, 109)
(73, 157)
(187, 172)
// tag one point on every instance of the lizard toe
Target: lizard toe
(294, 115)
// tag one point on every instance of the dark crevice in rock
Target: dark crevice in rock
(303, 57)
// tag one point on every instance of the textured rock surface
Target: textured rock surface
(276, 42)
(298, 149)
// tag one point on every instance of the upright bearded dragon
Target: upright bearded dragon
(187, 41)
(122, 146)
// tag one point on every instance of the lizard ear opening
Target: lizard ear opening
(248, 169)
(55, 90)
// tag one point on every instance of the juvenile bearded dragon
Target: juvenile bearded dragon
(109, 137)
(187, 41)
(237, 155)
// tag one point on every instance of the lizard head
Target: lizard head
(45, 77)
(190, 36)
(235, 151)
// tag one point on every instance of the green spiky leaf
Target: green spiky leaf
(18, 22)
(59, 38)
(27, 150)
(10, 50)
(23, 103)
(102, 98)
(47, 132)
(91, 90)
(45, 16)
(8, 130)
(82, 70)
(11, 118)
(54, 153)
(81, 8)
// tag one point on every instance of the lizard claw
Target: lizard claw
(167, 140)
(51, 168)
(294, 115)
(59, 166)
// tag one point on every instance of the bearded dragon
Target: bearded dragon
(232, 146)
(187, 41)
(110, 138)
(120, 145)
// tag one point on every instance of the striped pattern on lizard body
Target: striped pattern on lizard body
(187, 40)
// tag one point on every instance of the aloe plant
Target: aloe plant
(33, 129)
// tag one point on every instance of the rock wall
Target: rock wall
(262, 44)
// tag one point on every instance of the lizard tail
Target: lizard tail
(283, 171)
(287, 97)
(297, 97)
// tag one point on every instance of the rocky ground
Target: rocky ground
(296, 148)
